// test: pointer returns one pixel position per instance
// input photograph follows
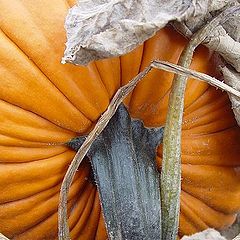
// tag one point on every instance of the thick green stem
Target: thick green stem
(171, 165)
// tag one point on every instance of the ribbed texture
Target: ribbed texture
(44, 104)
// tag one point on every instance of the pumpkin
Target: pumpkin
(44, 104)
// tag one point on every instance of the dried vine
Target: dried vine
(237, 237)
(174, 68)
(171, 164)
(172, 137)
(101, 124)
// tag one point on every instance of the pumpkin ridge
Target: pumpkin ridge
(223, 210)
(139, 68)
(186, 108)
(208, 215)
(24, 118)
(187, 228)
(20, 142)
(212, 97)
(76, 215)
(74, 195)
(95, 209)
(25, 83)
(52, 217)
(110, 64)
(79, 228)
(192, 216)
(209, 108)
(57, 186)
(130, 67)
(84, 100)
(70, 3)
(43, 218)
(98, 220)
(212, 207)
(26, 158)
(207, 133)
(41, 71)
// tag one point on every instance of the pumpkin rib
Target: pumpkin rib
(209, 216)
(25, 192)
(8, 141)
(71, 202)
(202, 113)
(101, 233)
(211, 98)
(83, 174)
(77, 187)
(66, 73)
(187, 228)
(78, 207)
(109, 75)
(192, 217)
(78, 230)
(186, 109)
(48, 111)
(198, 186)
(212, 141)
(130, 67)
(90, 227)
(212, 127)
(44, 230)
(11, 155)
(194, 89)
(30, 126)
(69, 3)
(39, 69)
(143, 92)
(192, 84)
(221, 206)
(44, 208)
(53, 168)
(98, 226)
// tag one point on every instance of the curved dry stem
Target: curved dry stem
(237, 237)
(2, 237)
(171, 164)
(174, 68)
(63, 229)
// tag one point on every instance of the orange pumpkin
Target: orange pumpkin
(44, 104)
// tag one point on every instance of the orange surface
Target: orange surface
(44, 104)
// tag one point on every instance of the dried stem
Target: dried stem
(101, 124)
(237, 237)
(171, 164)
(2, 237)
(174, 68)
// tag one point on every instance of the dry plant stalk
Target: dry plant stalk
(171, 163)
(172, 138)
(174, 68)
(2, 237)
(101, 124)
(237, 237)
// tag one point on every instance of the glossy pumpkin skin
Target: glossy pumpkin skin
(44, 104)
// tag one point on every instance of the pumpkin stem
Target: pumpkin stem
(171, 164)
(121, 94)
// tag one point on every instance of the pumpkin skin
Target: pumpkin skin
(44, 104)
